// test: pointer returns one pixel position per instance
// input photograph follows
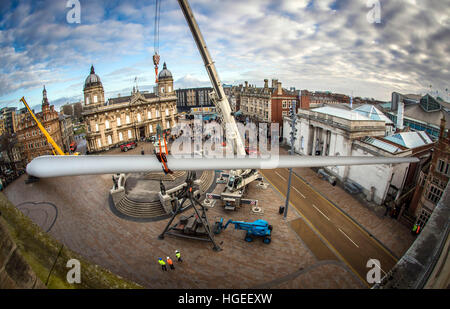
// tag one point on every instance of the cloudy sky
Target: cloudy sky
(332, 45)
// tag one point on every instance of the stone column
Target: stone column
(324, 150)
(314, 141)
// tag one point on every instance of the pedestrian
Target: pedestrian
(170, 262)
(178, 255)
(163, 264)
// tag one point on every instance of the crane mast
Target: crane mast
(218, 96)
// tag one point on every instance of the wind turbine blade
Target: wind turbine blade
(54, 166)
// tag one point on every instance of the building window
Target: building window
(423, 218)
(157, 113)
(107, 124)
(150, 128)
(128, 119)
(149, 115)
(99, 142)
(442, 167)
(120, 136)
(87, 100)
(96, 127)
(168, 124)
(284, 104)
(109, 140)
(169, 89)
(129, 134)
(284, 113)
(167, 112)
(434, 194)
(139, 117)
(118, 122)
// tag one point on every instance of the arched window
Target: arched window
(107, 124)
(118, 122)
(128, 119)
(120, 136)
(139, 117)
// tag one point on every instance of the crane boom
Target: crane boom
(219, 98)
(43, 130)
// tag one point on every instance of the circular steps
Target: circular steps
(154, 209)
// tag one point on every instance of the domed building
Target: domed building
(127, 118)
(165, 81)
(94, 95)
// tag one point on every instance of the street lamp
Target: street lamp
(293, 115)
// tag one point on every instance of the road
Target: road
(345, 238)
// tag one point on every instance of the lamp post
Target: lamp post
(293, 115)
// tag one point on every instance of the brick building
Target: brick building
(432, 181)
(310, 99)
(34, 143)
(267, 104)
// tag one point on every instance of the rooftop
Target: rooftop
(373, 113)
(341, 113)
(410, 139)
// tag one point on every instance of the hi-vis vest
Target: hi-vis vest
(161, 262)
(178, 254)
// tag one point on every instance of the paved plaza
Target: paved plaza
(76, 211)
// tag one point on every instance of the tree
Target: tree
(68, 110)
(7, 143)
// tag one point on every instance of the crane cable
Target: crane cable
(156, 37)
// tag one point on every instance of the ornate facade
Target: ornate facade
(30, 136)
(127, 118)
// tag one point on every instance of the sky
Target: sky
(367, 48)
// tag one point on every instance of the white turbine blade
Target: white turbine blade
(54, 166)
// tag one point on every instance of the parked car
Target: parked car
(130, 145)
(351, 188)
(324, 175)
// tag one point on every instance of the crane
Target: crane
(238, 179)
(56, 149)
(156, 38)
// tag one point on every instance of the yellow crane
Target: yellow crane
(56, 150)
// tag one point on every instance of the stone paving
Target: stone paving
(85, 224)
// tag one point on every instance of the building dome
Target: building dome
(164, 74)
(92, 79)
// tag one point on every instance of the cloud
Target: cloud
(312, 44)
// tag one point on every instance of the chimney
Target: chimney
(246, 84)
(266, 83)
(274, 83)
(279, 89)
(400, 112)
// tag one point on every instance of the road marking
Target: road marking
(347, 217)
(320, 234)
(321, 212)
(298, 192)
(280, 176)
(348, 237)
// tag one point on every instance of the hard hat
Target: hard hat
(160, 259)
(177, 251)
(168, 257)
